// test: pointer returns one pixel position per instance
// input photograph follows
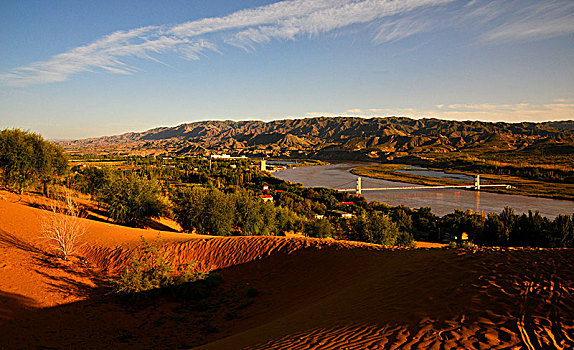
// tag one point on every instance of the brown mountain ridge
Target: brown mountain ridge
(345, 138)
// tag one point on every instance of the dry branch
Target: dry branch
(63, 226)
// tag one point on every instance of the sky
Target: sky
(77, 69)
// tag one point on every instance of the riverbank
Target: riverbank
(442, 201)
(520, 186)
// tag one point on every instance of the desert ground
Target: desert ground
(280, 293)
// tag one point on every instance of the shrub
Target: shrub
(462, 244)
(151, 269)
(405, 239)
(63, 226)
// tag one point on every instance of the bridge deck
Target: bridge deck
(417, 188)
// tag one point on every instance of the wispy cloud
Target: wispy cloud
(533, 20)
(386, 20)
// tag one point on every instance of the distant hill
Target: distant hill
(344, 138)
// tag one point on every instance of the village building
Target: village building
(339, 214)
(266, 197)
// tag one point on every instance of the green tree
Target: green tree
(376, 227)
(563, 232)
(381, 229)
(530, 230)
(287, 220)
(494, 231)
(26, 158)
(403, 219)
(91, 180)
(319, 228)
(188, 207)
(269, 220)
(248, 218)
(129, 199)
(219, 214)
(425, 224)
(206, 211)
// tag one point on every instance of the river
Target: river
(442, 201)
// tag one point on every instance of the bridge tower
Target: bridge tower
(358, 186)
(477, 182)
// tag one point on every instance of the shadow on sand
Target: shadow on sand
(72, 277)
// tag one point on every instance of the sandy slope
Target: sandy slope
(28, 271)
(368, 299)
(313, 294)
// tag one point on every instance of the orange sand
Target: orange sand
(313, 294)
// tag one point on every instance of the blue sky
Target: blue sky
(75, 69)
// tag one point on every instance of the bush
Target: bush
(62, 226)
(462, 244)
(151, 269)
(405, 239)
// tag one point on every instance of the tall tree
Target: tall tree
(130, 199)
(26, 158)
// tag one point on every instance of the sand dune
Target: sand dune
(427, 299)
(312, 294)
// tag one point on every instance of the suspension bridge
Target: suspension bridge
(476, 186)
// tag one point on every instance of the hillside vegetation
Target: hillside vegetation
(537, 151)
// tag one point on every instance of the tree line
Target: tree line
(224, 199)
(213, 204)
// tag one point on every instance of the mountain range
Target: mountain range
(343, 138)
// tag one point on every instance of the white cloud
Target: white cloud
(388, 20)
(282, 20)
(559, 109)
(535, 20)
